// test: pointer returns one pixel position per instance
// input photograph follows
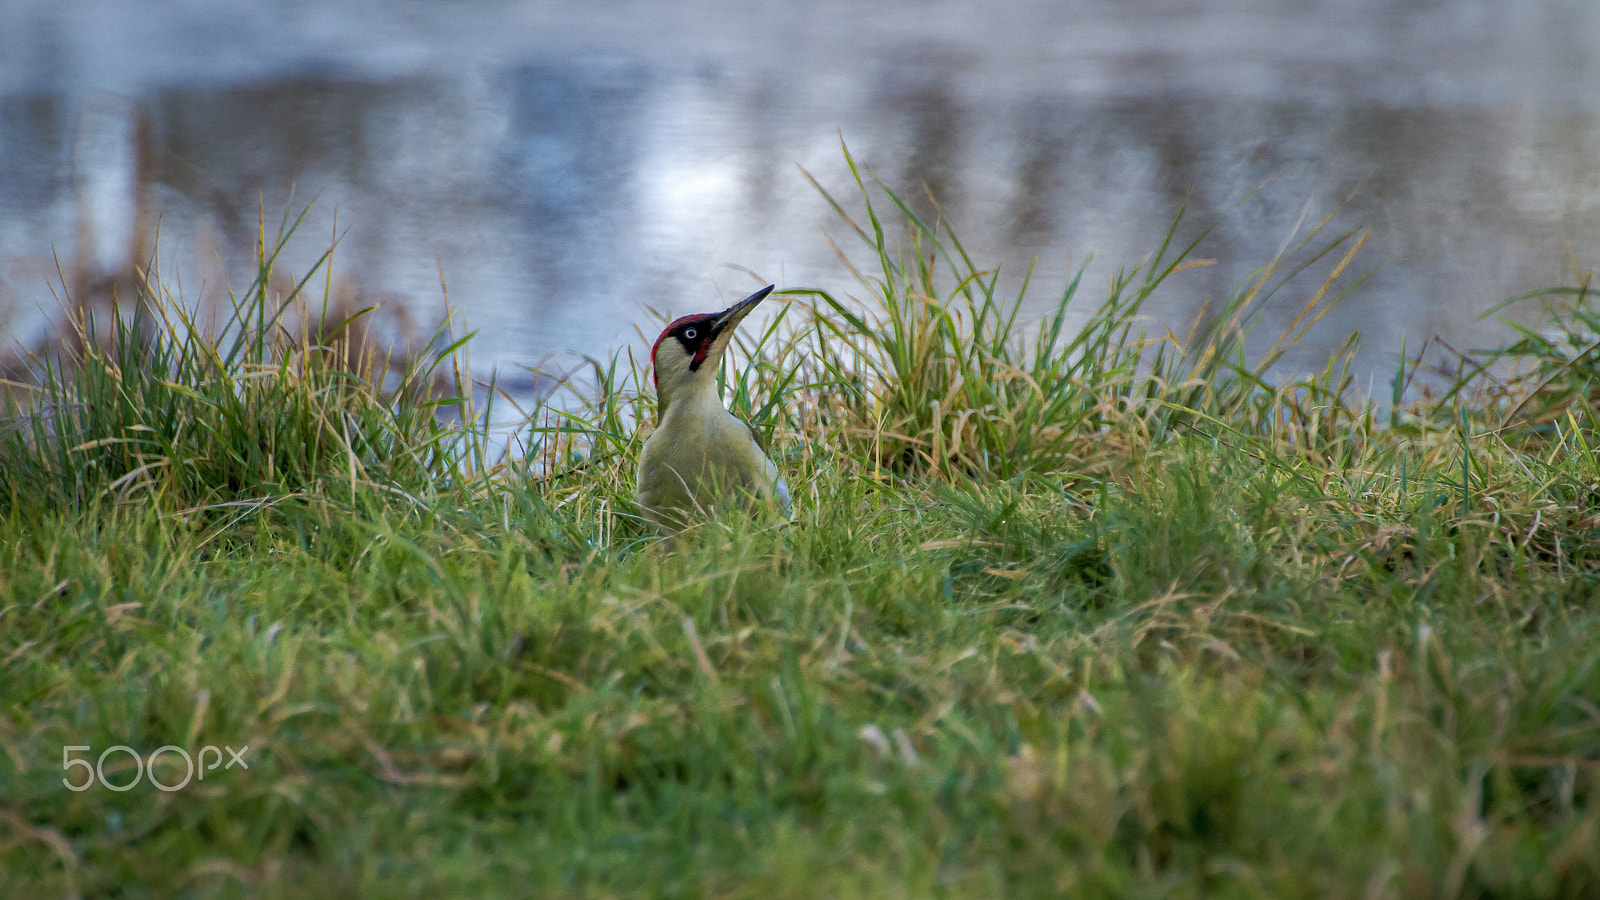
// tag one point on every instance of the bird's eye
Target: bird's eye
(691, 333)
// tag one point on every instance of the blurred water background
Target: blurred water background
(565, 166)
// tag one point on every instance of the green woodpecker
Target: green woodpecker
(700, 451)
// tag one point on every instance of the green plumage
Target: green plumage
(700, 455)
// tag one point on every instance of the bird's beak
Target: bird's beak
(729, 318)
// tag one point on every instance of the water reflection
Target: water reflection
(561, 193)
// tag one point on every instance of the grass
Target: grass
(1069, 610)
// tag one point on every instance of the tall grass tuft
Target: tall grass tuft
(935, 372)
(1556, 369)
(285, 398)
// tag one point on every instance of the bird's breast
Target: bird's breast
(698, 450)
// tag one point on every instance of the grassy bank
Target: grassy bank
(1066, 611)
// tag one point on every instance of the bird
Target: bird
(699, 452)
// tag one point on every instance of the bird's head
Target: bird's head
(689, 351)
